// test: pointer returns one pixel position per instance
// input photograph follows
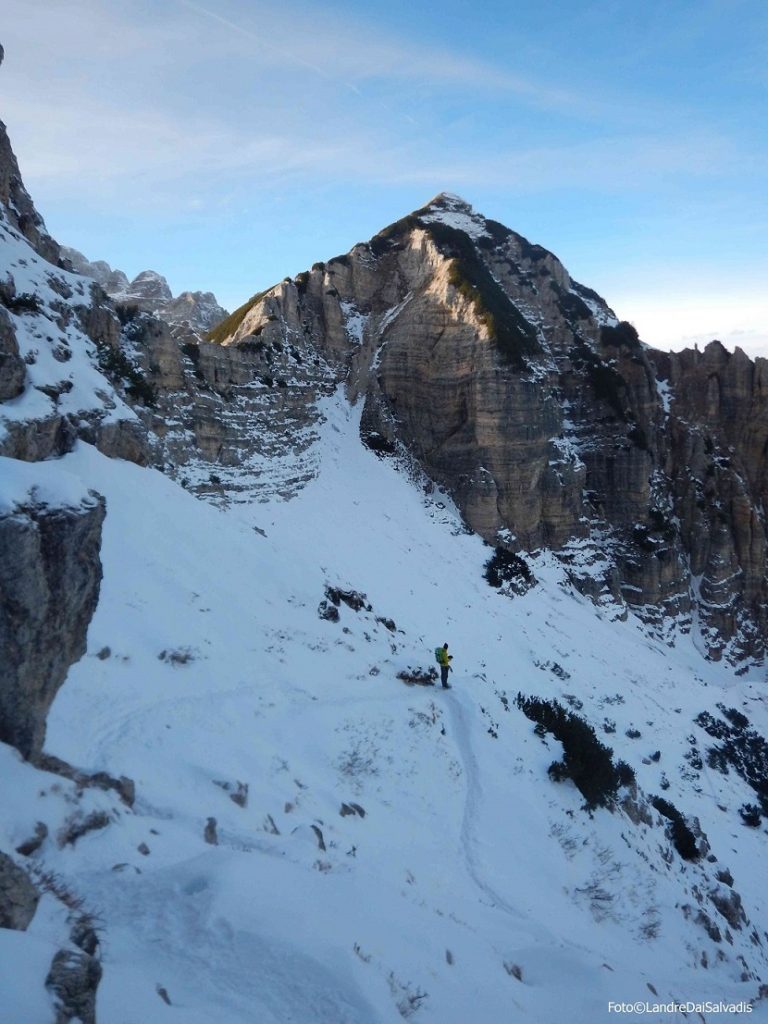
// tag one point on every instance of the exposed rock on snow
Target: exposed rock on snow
(18, 895)
(50, 574)
(74, 978)
(12, 369)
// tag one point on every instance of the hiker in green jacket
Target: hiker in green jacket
(444, 660)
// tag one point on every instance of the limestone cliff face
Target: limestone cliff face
(50, 574)
(718, 432)
(231, 423)
(549, 422)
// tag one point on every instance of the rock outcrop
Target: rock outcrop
(50, 573)
(18, 895)
(13, 372)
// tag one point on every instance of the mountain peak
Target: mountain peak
(449, 200)
(151, 285)
(450, 209)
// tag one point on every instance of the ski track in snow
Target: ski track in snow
(472, 806)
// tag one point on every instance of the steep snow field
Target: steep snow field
(461, 884)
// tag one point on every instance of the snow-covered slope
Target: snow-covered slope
(393, 851)
(46, 306)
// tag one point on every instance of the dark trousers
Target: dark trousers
(444, 670)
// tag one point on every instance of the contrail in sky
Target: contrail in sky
(242, 30)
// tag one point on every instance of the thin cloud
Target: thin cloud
(150, 148)
(348, 51)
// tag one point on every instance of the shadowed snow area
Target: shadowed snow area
(395, 852)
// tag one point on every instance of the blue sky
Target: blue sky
(227, 143)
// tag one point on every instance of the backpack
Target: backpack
(439, 655)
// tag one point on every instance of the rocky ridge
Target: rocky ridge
(195, 313)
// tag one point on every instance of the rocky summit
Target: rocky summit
(547, 419)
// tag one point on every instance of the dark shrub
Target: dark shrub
(638, 437)
(623, 335)
(120, 370)
(253, 343)
(420, 676)
(505, 568)
(683, 839)
(25, 302)
(586, 761)
(391, 238)
(751, 815)
(351, 598)
(377, 443)
(496, 234)
(126, 312)
(736, 718)
(571, 306)
(607, 383)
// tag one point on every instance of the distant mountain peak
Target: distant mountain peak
(151, 285)
(151, 291)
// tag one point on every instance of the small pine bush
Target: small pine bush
(25, 302)
(750, 815)
(683, 839)
(505, 568)
(586, 761)
(623, 335)
(120, 370)
(126, 312)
